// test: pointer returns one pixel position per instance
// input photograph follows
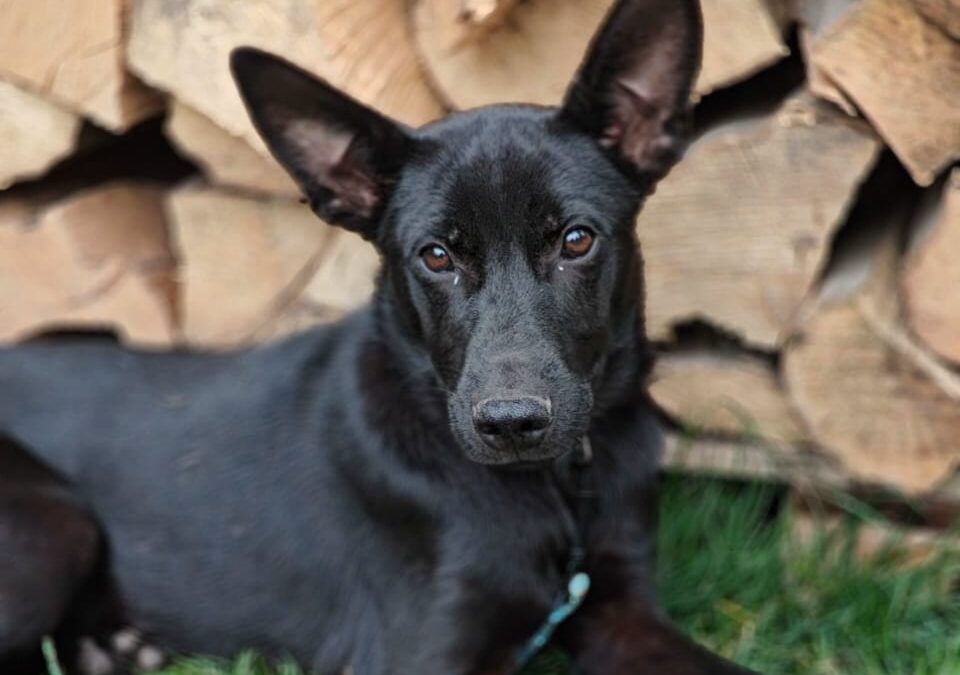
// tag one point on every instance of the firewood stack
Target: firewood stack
(803, 262)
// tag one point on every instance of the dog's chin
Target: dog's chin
(518, 459)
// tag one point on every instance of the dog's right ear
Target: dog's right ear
(344, 155)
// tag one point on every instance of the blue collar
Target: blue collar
(578, 583)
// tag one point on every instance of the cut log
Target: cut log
(740, 38)
(530, 58)
(531, 51)
(729, 394)
(361, 46)
(805, 468)
(751, 460)
(98, 259)
(903, 72)
(73, 53)
(225, 159)
(34, 134)
(341, 280)
(869, 394)
(739, 230)
(931, 281)
(255, 269)
(815, 17)
(782, 13)
(239, 258)
(943, 13)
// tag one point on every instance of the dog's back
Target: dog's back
(79, 400)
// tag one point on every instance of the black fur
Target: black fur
(334, 496)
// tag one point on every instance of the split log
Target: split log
(239, 256)
(740, 38)
(781, 11)
(361, 46)
(815, 17)
(729, 394)
(805, 468)
(931, 283)
(225, 159)
(529, 51)
(869, 394)
(529, 58)
(73, 53)
(750, 460)
(34, 134)
(342, 279)
(254, 269)
(903, 72)
(98, 259)
(739, 230)
(943, 13)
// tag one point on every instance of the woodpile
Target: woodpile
(802, 282)
(851, 359)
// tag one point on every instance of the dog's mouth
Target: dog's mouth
(532, 464)
(520, 460)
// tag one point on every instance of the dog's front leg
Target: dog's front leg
(472, 630)
(629, 638)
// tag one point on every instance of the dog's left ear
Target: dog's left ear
(344, 155)
(632, 92)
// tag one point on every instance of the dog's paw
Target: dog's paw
(93, 659)
(126, 641)
(131, 652)
(150, 658)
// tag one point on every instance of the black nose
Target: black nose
(512, 422)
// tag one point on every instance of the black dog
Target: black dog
(408, 491)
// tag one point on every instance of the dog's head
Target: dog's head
(507, 231)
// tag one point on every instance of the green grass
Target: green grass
(734, 579)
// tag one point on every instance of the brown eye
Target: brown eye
(577, 242)
(436, 258)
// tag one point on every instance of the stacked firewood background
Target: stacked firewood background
(802, 263)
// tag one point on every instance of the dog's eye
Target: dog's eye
(436, 258)
(577, 242)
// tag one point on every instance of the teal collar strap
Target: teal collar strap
(578, 584)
